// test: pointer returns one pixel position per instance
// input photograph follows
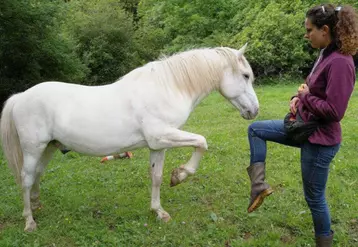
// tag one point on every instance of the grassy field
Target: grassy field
(90, 204)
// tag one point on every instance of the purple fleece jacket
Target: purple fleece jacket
(330, 85)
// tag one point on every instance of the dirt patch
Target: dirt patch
(353, 231)
(97, 214)
(286, 239)
(227, 243)
(247, 235)
(111, 227)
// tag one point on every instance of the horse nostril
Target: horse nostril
(253, 114)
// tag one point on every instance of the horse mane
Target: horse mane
(191, 72)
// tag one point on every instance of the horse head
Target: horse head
(236, 85)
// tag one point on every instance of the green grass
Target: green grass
(90, 204)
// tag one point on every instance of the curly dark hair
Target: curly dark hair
(342, 22)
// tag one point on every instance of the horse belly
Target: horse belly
(95, 135)
(98, 143)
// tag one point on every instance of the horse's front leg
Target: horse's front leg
(156, 166)
(170, 138)
(181, 173)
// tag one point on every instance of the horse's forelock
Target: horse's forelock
(245, 66)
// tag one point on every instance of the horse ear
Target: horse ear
(241, 51)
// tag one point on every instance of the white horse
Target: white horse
(145, 108)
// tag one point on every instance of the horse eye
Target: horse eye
(247, 76)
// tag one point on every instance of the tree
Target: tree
(103, 32)
(31, 49)
(275, 34)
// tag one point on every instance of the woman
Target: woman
(324, 98)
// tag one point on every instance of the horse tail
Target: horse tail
(10, 138)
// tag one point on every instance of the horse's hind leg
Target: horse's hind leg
(28, 177)
(35, 190)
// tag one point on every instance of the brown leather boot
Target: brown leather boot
(259, 189)
(324, 241)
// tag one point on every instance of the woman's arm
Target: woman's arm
(340, 84)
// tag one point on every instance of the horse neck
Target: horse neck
(197, 98)
(194, 73)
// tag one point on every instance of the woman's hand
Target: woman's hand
(303, 89)
(294, 104)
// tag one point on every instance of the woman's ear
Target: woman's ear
(325, 29)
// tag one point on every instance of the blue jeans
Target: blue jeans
(315, 160)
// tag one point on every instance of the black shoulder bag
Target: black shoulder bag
(297, 129)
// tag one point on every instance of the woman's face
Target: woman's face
(319, 37)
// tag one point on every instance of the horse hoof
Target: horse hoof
(175, 179)
(30, 227)
(164, 217)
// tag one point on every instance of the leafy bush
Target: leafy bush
(31, 47)
(103, 32)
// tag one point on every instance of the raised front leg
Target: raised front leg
(170, 138)
(156, 166)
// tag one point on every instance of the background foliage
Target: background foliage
(98, 41)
